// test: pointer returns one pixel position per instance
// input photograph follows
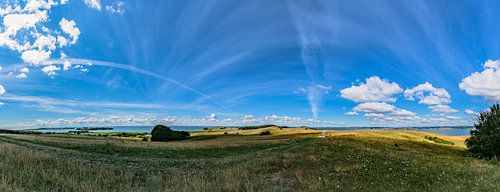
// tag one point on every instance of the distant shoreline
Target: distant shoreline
(208, 127)
(447, 130)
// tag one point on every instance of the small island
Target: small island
(93, 128)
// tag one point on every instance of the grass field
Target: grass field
(288, 160)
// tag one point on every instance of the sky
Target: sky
(228, 62)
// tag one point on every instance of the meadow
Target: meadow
(291, 159)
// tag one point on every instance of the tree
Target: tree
(485, 139)
(164, 133)
(266, 133)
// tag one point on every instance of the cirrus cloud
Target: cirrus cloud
(315, 93)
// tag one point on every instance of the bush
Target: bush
(485, 139)
(439, 140)
(164, 133)
(265, 133)
(255, 127)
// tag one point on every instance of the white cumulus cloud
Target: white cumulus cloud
(35, 5)
(66, 65)
(69, 27)
(374, 90)
(45, 41)
(24, 27)
(375, 107)
(22, 76)
(35, 56)
(352, 113)
(442, 109)
(153, 119)
(211, 117)
(402, 112)
(470, 112)
(62, 41)
(248, 118)
(382, 107)
(25, 70)
(485, 83)
(2, 90)
(116, 8)
(51, 70)
(95, 4)
(428, 94)
(374, 115)
(17, 21)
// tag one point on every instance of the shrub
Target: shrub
(265, 133)
(439, 140)
(485, 139)
(255, 127)
(164, 133)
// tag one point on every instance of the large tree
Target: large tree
(485, 139)
(164, 133)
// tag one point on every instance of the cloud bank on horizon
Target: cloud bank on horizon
(322, 63)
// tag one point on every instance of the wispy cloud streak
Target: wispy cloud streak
(79, 61)
(74, 106)
(315, 93)
(311, 54)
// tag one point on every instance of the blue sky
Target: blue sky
(317, 63)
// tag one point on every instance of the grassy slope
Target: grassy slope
(289, 160)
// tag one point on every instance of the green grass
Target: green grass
(358, 161)
(112, 149)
